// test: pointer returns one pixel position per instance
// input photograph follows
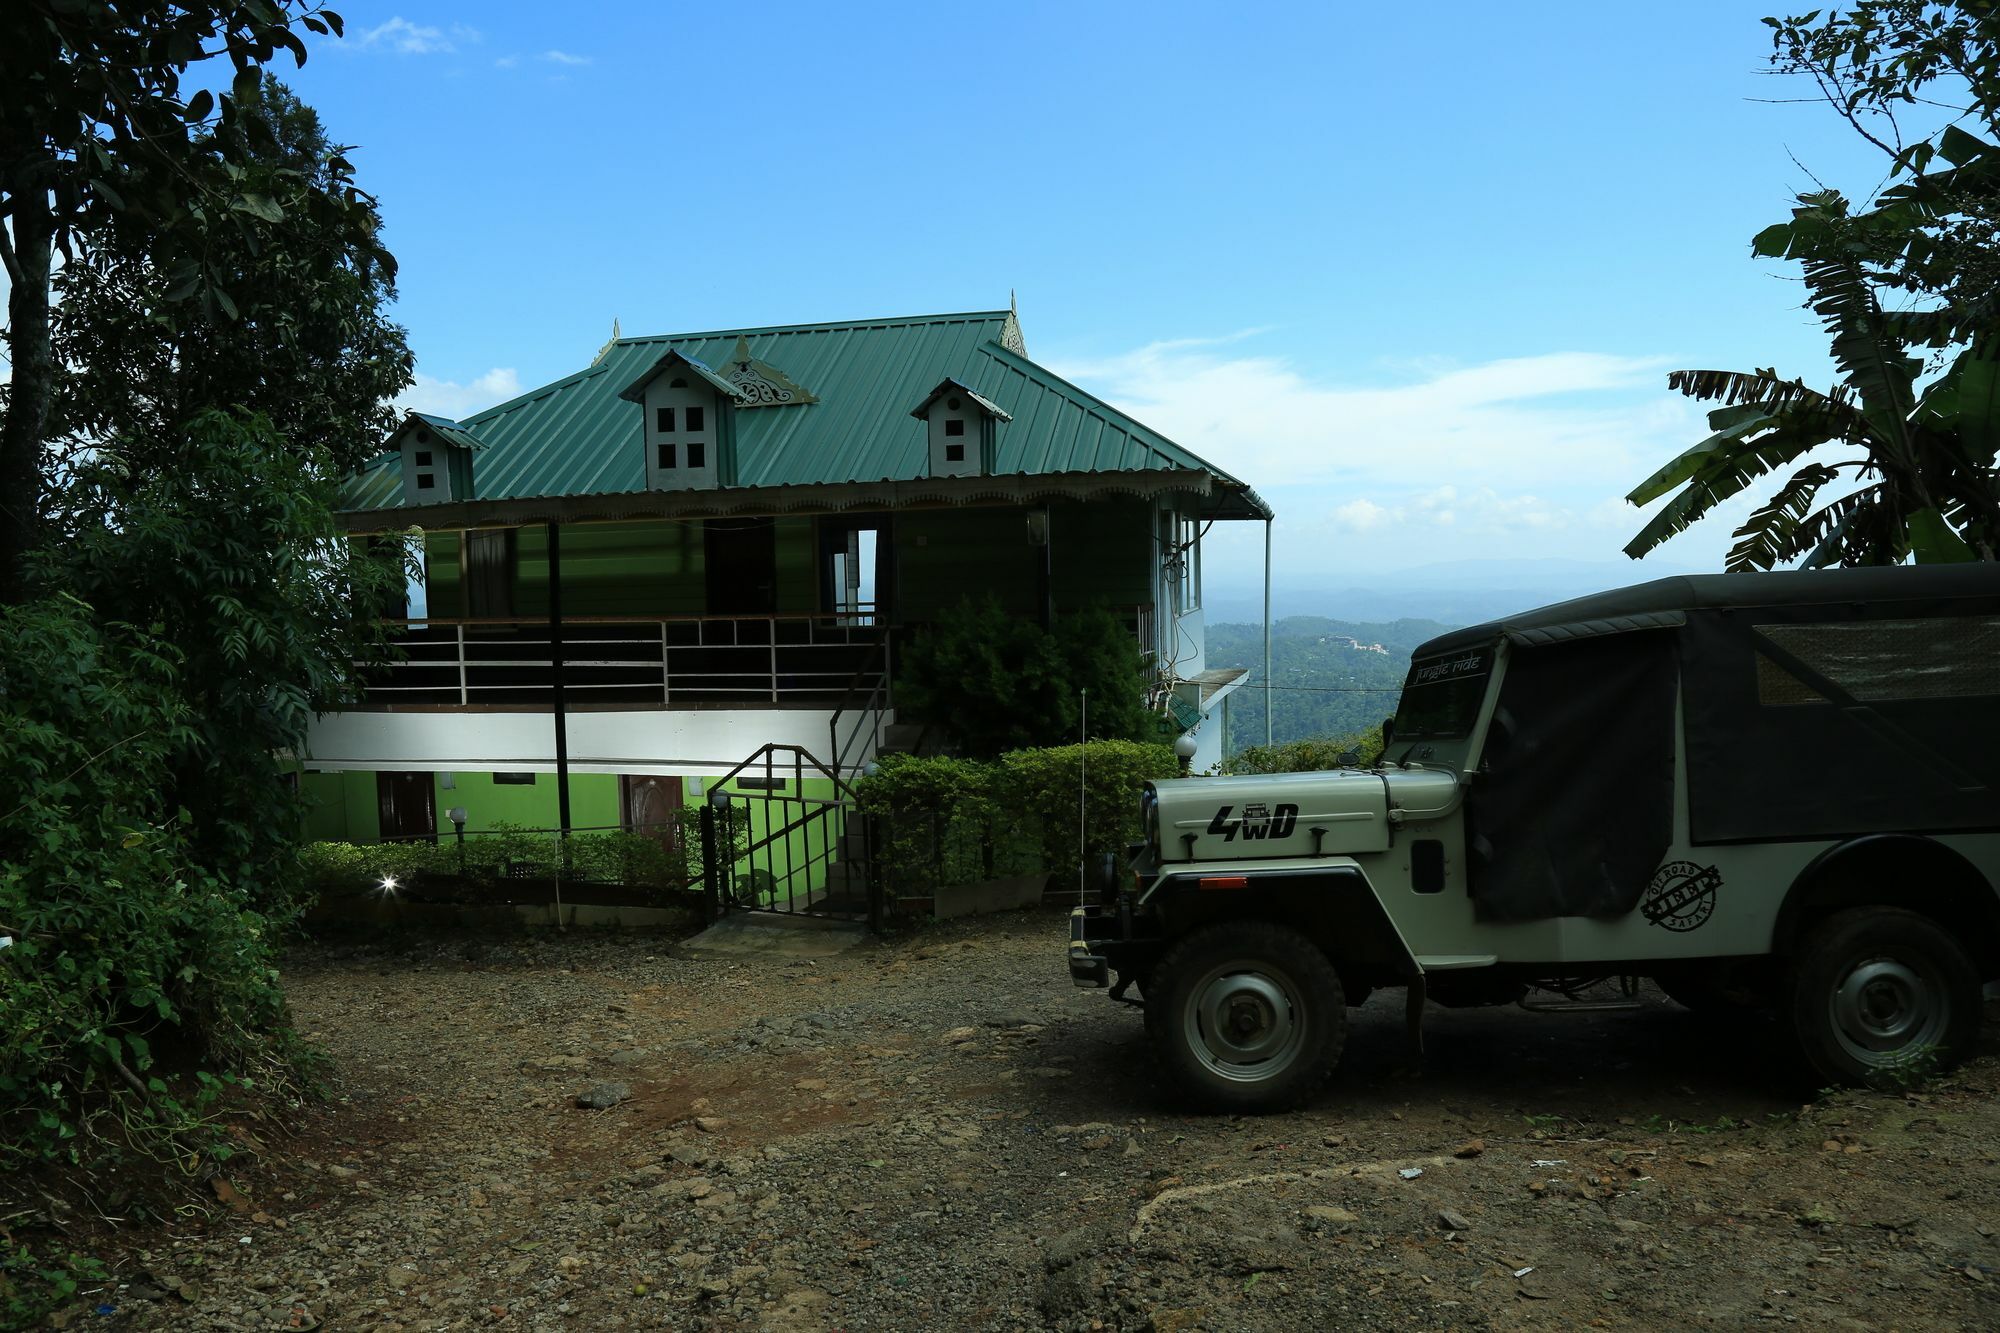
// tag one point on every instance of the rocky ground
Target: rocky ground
(941, 1133)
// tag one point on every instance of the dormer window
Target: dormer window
(962, 429)
(436, 457)
(689, 427)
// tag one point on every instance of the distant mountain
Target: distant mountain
(1456, 592)
(1328, 677)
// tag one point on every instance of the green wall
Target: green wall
(1099, 553)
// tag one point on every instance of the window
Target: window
(423, 458)
(666, 458)
(426, 481)
(663, 420)
(951, 403)
(954, 453)
(748, 783)
(677, 384)
(515, 779)
(1881, 661)
(489, 574)
(697, 452)
(955, 426)
(696, 421)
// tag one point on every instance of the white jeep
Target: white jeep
(1777, 790)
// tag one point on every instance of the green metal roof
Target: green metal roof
(448, 430)
(577, 436)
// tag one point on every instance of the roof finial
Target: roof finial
(609, 345)
(1013, 308)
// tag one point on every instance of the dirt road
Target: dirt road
(943, 1134)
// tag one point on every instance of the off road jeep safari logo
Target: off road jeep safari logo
(1256, 821)
(1682, 895)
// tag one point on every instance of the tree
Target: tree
(999, 682)
(1912, 275)
(310, 346)
(96, 126)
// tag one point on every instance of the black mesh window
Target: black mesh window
(1877, 661)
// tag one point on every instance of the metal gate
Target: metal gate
(770, 847)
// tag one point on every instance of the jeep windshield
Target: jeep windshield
(1442, 694)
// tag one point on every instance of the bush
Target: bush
(1308, 756)
(128, 946)
(958, 821)
(337, 870)
(998, 682)
(1105, 777)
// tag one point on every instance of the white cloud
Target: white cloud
(506, 62)
(448, 398)
(564, 58)
(405, 38)
(1408, 462)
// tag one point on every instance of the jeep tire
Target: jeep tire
(1879, 994)
(1246, 1016)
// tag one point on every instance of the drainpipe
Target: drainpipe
(556, 676)
(1267, 631)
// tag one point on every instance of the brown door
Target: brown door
(407, 803)
(651, 804)
(741, 559)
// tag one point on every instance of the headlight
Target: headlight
(1149, 818)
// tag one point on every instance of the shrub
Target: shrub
(1047, 786)
(1307, 756)
(956, 821)
(128, 945)
(999, 682)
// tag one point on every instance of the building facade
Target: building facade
(704, 543)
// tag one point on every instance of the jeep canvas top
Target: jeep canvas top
(1776, 790)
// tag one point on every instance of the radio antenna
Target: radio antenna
(1082, 805)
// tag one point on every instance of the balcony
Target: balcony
(632, 663)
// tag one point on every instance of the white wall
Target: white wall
(690, 743)
(969, 413)
(419, 439)
(694, 393)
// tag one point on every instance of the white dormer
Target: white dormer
(436, 455)
(689, 428)
(962, 427)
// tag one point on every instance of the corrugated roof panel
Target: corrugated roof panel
(576, 436)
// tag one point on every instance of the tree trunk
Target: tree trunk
(23, 428)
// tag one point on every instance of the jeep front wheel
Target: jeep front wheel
(1246, 1016)
(1878, 993)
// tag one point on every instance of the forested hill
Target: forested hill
(1327, 677)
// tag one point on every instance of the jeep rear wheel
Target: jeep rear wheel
(1246, 1016)
(1880, 994)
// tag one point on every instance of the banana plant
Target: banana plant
(1878, 469)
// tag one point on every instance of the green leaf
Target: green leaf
(260, 206)
(1934, 542)
(1958, 148)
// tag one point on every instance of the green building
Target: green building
(703, 543)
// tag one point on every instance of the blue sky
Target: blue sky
(1415, 272)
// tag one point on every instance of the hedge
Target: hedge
(957, 821)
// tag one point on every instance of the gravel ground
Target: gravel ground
(941, 1133)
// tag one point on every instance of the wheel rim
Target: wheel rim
(1244, 1022)
(1886, 1008)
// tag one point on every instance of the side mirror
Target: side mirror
(1388, 733)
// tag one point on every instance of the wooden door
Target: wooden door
(740, 556)
(651, 804)
(407, 804)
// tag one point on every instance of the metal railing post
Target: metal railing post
(666, 677)
(711, 869)
(464, 696)
(771, 628)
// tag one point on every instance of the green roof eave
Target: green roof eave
(636, 391)
(1005, 491)
(986, 404)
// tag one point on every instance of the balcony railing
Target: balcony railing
(649, 662)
